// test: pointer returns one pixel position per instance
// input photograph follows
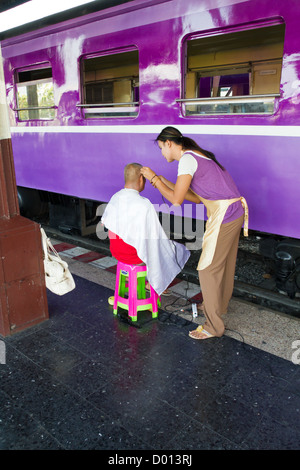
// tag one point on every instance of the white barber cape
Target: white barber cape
(134, 219)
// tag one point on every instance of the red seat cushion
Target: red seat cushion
(122, 251)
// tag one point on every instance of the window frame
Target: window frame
(244, 99)
(17, 84)
(109, 110)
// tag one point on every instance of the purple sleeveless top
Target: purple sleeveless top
(213, 183)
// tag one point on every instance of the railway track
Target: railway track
(254, 280)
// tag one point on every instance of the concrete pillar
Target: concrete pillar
(23, 297)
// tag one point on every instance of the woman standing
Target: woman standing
(201, 178)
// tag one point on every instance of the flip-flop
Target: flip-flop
(200, 329)
(165, 292)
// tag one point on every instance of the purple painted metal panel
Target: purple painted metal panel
(90, 165)
(266, 189)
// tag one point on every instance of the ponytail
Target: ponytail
(170, 133)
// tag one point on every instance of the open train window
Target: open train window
(233, 73)
(110, 85)
(35, 97)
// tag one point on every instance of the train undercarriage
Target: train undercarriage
(71, 215)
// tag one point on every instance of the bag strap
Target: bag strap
(47, 245)
(51, 247)
(44, 242)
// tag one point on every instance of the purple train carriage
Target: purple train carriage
(89, 93)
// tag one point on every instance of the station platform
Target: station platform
(88, 380)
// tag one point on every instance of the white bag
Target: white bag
(59, 280)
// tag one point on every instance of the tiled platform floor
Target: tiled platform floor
(271, 331)
(86, 379)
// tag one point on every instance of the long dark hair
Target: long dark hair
(170, 133)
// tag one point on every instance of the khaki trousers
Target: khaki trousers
(217, 280)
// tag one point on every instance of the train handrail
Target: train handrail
(224, 99)
(100, 105)
(35, 108)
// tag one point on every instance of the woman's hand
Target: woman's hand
(147, 172)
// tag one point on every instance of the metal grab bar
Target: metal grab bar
(100, 105)
(35, 108)
(227, 98)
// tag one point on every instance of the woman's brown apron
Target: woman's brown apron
(216, 211)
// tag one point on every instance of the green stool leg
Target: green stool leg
(122, 284)
(141, 290)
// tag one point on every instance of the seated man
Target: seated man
(137, 236)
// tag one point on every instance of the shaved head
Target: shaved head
(132, 173)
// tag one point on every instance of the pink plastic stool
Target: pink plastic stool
(130, 292)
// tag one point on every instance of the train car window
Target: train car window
(233, 73)
(35, 97)
(110, 85)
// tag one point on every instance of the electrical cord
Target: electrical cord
(183, 322)
(177, 313)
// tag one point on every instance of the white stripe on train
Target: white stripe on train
(273, 131)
